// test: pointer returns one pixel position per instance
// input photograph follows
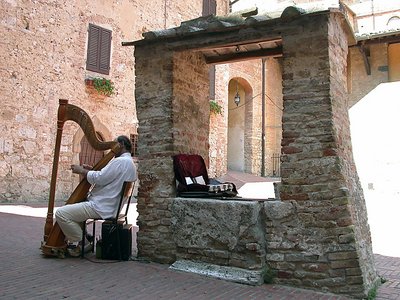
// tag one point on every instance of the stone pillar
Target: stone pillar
(153, 93)
(323, 241)
(173, 113)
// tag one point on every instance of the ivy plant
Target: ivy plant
(215, 108)
(103, 86)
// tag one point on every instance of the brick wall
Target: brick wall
(360, 82)
(218, 125)
(191, 109)
(330, 228)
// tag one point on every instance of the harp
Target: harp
(53, 243)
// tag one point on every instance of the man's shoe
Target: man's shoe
(88, 247)
(77, 250)
(74, 251)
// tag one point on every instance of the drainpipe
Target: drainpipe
(373, 14)
(165, 14)
(263, 119)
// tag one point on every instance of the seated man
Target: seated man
(102, 200)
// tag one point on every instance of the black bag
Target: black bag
(109, 243)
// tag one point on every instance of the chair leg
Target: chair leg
(118, 243)
(83, 240)
(94, 235)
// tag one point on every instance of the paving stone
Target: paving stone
(26, 274)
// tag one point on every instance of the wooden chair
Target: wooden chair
(120, 218)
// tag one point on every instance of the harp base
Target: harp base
(59, 252)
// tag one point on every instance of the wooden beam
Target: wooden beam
(380, 40)
(235, 57)
(365, 56)
(249, 42)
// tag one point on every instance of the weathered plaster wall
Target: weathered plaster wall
(274, 109)
(44, 60)
(218, 125)
(43, 54)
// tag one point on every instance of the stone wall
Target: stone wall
(317, 236)
(224, 233)
(154, 97)
(191, 109)
(43, 53)
(328, 240)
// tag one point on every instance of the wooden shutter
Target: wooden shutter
(134, 141)
(99, 50)
(213, 7)
(209, 7)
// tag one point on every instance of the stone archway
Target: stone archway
(317, 234)
(243, 144)
(238, 134)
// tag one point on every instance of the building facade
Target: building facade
(45, 57)
(50, 52)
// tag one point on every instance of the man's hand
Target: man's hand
(87, 167)
(79, 169)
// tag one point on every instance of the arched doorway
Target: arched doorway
(237, 102)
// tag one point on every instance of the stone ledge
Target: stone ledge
(251, 277)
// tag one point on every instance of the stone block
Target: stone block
(342, 255)
(345, 264)
(252, 277)
(276, 210)
(210, 225)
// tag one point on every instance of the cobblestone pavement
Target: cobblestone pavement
(26, 274)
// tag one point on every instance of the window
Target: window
(99, 50)
(210, 8)
(393, 23)
(134, 141)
